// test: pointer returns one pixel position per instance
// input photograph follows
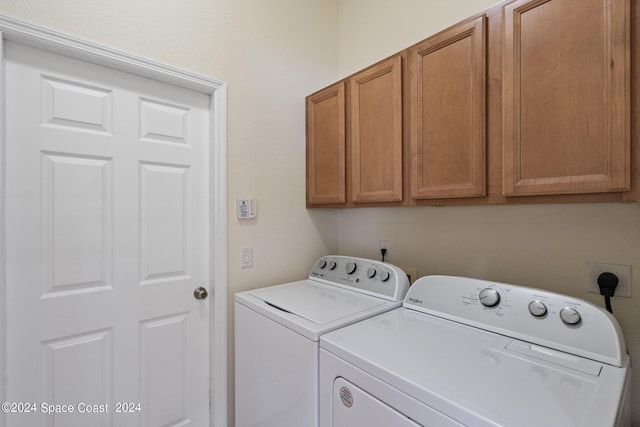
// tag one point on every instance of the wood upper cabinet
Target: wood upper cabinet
(326, 145)
(448, 113)
(527, 102)
(566, 108)
(375, 124)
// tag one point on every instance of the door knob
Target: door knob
(200, 293)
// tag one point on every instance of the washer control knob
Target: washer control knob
(537, 308)
(332, 265)
(371, 273)
(489, 297)
(351, 267)
(384, 276)
(322, 264)
(570, 316)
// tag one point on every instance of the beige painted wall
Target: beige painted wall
(544, 246)
(371, 30)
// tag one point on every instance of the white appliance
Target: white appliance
(277, 330)
(476, 353)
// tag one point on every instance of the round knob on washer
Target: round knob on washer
(489, 297)
(322, 264)
(332, 265)
(570, 316)
(537, 308)
(351, 267)
(384, 276)
(371, 273)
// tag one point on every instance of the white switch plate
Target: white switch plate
(246, 257)
(595, 269)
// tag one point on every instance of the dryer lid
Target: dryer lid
(316, 303)
(478, 377)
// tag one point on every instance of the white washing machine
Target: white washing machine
(277, 330)
(475, 353)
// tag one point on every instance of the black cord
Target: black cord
(608, 283)
(383, 251)
(607, 303)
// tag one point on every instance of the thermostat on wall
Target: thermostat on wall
(246, 208)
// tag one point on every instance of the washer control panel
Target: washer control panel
(534, 315)
(363, 275)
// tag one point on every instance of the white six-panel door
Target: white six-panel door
(107, 212)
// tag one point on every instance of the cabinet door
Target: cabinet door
(326, 146)
(448, 113)
(566, 117)
(376, 132)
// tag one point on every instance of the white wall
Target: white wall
(272, 54)
(544, 246)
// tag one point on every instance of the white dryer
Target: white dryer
(277, 332)
(476, 353)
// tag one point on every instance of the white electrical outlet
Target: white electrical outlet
(595, 269)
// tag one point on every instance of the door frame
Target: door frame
(21, 32)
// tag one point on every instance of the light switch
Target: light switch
(246, 257)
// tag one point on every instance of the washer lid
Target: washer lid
(316, 303)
